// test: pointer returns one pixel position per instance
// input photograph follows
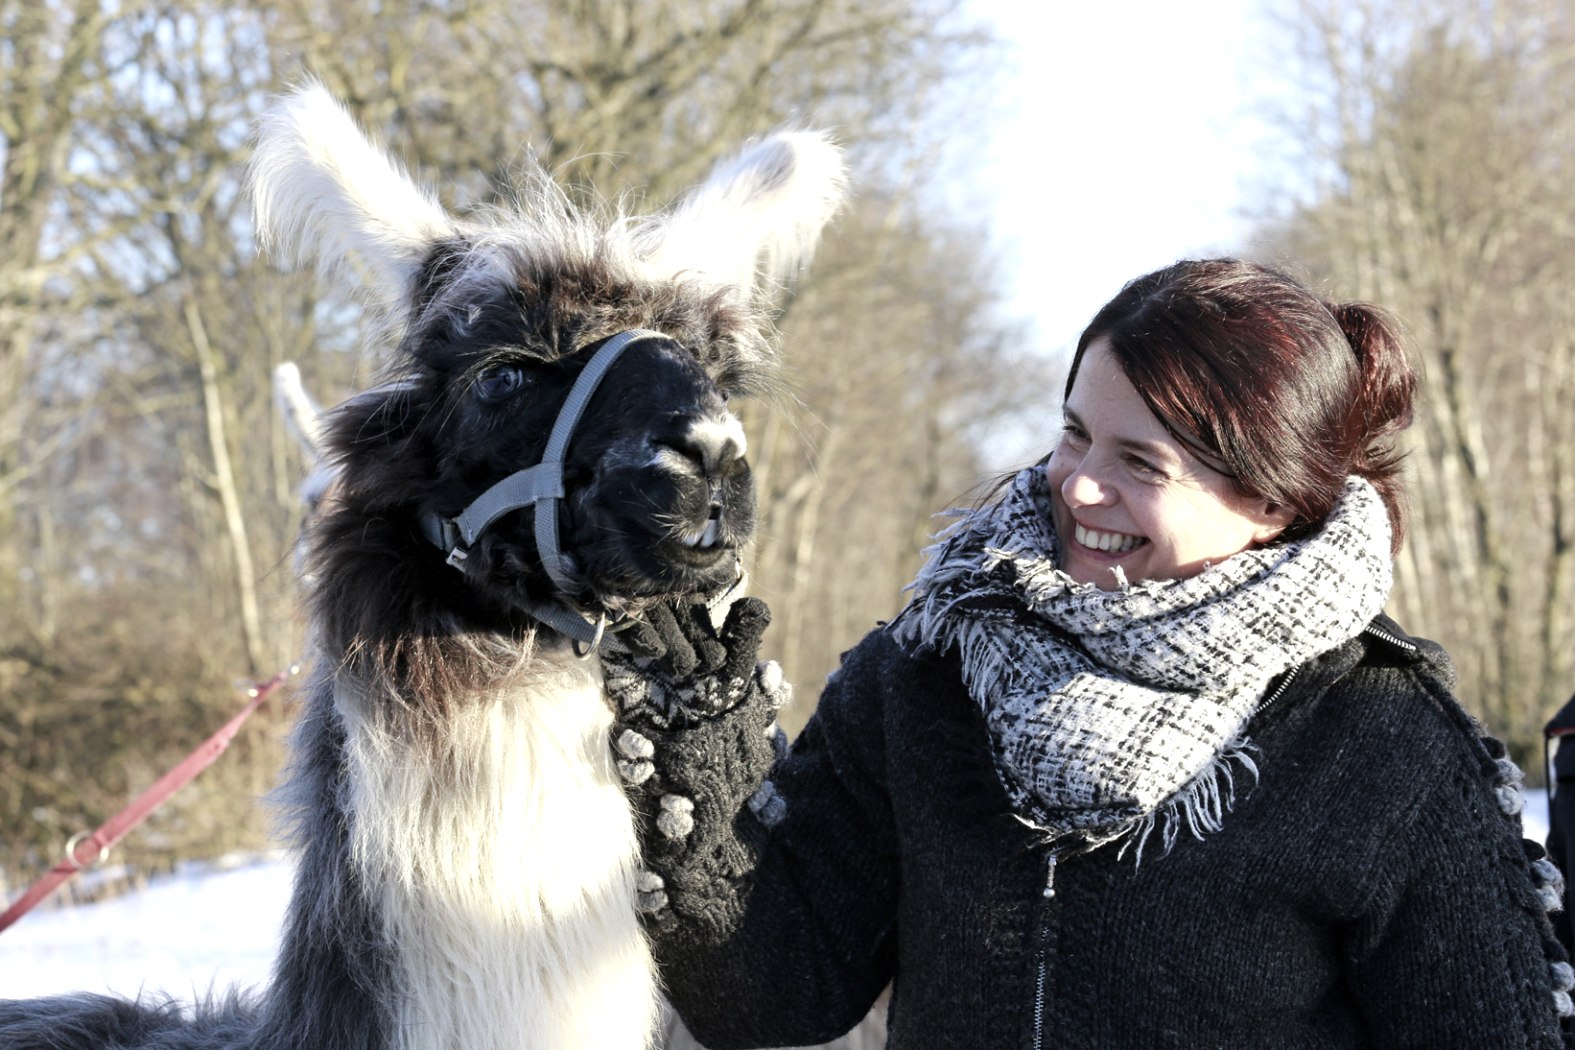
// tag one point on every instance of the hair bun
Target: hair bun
(1389, 384)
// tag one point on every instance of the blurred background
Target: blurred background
(1014, 164)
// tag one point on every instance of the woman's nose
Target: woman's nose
(1083, 487)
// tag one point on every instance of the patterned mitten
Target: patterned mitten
(674, 667)
(695, 735)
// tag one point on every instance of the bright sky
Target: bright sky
(1126, 142)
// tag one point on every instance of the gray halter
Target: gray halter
(540, 486)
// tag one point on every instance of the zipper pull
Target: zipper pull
(1051, 859)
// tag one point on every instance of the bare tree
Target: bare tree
(149, 531)
(49, 67)
(1442, 147)
(147, 491)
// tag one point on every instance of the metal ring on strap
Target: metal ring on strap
(71, 851)
(595, 641)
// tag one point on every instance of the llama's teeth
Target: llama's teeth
(711, 534)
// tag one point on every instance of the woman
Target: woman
(1142, 763)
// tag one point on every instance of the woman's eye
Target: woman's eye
(1143, 468)
(498, 382)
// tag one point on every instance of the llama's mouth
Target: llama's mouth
(628, 559)
(708, 536)
(691, 555)
(641, 532)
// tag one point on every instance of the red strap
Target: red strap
(116, 828)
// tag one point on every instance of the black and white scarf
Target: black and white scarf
(1115, 712)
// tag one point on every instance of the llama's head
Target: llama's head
(486, 325)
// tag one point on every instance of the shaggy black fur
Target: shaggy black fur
(432, 438)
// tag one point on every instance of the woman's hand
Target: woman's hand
(674, 666)
(695, 733)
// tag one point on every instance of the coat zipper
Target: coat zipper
(1290, 675)
(1279, 690)
(1043, 968)
(1379, 632)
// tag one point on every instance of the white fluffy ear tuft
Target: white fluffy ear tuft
(322, 192)
(757, 217)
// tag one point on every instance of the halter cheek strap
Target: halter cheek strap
(540, 486)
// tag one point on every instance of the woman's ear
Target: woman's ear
(1273, 519)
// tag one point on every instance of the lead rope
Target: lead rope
(104, 838)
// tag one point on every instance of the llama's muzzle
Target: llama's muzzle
(541, 487)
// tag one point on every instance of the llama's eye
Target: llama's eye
(498, 382)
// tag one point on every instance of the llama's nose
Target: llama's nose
(716, 443)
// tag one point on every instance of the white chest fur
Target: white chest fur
(503, 853)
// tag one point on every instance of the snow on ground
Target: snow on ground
(1534, 820)
(204, 931)
(185, 935)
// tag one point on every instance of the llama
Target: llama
(302, 418)
(466, 856)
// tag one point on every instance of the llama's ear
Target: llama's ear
(302, 417)
(757, 217)
(322, 192)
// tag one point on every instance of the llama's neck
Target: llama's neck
(500, 851)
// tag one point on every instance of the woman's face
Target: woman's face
(1128, 495)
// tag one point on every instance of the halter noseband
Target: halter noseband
(540, 486)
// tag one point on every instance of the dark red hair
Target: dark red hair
(1248, 366)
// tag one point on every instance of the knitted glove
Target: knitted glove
(695, 734)
(674, 667)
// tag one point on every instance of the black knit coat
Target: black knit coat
(1371, 889)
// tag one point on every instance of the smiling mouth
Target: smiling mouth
(1107, 542)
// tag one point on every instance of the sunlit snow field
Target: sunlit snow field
(188, 934)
